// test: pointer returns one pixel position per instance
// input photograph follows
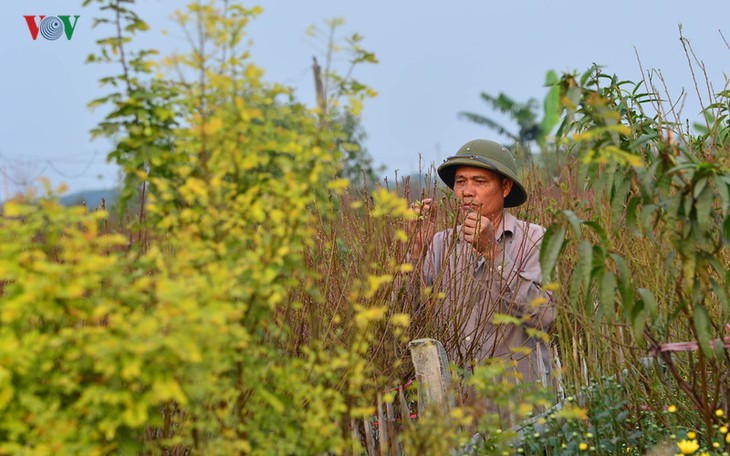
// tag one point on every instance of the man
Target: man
(487, 268)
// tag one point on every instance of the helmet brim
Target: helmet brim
(447, 173)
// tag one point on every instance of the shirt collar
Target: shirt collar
(509, 222)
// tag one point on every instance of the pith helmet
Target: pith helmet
(489, 155)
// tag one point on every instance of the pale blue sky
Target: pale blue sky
(435, 59)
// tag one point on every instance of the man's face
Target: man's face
(481, 190)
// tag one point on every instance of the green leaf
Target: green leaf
(574, 220)
(607, 293)
(551, 104)
(704, 207)
(685, 209)
(648, 214)
(552, 244)
(582, 273)
(618, 197)
(631, 217)
(598, 229)
(643, 139)
(637, 319)
(681, 167)
(721, 297)
(649, 300)
(648, 178)
(703, 328)
(699, 186)
(689, 266)
(624, 284)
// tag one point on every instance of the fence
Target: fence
(433, 379)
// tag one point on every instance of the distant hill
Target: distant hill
(419, 185)
(92, 198)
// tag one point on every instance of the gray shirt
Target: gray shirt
(490, 306)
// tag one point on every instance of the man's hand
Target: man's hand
(424, 225)
(479, 232)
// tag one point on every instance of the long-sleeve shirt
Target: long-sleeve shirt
(476, 290)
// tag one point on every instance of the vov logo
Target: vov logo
(51, 27)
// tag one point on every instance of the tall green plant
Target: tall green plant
(650, 251)
(145, 109)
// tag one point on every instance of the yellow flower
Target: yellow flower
(715, 444)
(672, 408)
(704, 453)
(589, 435)
(723, 429)
(583, 446)
(691, 435)
(727, 438)
(688, 446)
(719, 413)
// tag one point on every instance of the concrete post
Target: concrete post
(432, 373)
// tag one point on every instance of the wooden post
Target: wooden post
(432, 373)
(369, 442)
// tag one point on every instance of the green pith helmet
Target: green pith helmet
(490, 155)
